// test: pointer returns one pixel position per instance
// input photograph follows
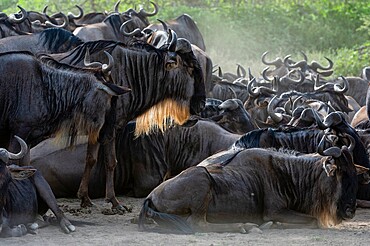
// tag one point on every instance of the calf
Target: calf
(257, 186)
(24, 194)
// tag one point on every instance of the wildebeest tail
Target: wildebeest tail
(163, 219)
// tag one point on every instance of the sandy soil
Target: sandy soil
(95, 228)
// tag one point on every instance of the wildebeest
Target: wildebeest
(258, 186)
(142, 162)
(41, 97)
(22, 200)
(165, 83)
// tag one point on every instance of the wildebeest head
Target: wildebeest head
(339, 167)
(184, 88)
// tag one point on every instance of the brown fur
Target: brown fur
(161, 116)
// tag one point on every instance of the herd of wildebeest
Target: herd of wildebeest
(102, 103)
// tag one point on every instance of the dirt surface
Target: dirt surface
(95, 228)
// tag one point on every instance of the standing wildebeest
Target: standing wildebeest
(24, 194)
(41, 97)
(258, 186)
(165, 83)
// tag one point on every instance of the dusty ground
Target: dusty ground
(95, 228)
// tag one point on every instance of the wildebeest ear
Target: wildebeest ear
(329, 167)
(171, 61)
(20, 173)
(361, 170)
(113, 89)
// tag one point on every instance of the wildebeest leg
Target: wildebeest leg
(363, 203)
(198, 219)
(201, 224)
(292, 219)
(91, 159)
(46, 194)
(110, 164)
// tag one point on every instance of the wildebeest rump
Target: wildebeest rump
(257, 186)
(24, 194)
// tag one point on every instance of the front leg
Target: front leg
(91, 159)
(287, 218)
(46, 194)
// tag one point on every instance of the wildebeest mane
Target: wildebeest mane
(50, 62)
(250, 139)
(53, 38)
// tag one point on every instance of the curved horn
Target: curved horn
(318, 87)
(297, 100)
(165, 27)
(116, 5)
(173, 42)
(315, 65)
(333, 119)
(13, 19)
(87, 62)
(301, 64)
(135, 32)
(326, 73)
(45, 9)
(219, 72)
(318, 120)
(240, 71)
(76, 17)
(264, 74)
(277, 62)
(255, 92)
(352, 142)
(63, 25)
(304, 56)
(144, 13)
(23, 152)
(270, 110)
(332, 151)
(250, 74)
(288, 106)
(345, 87)
(106, 68)
(287, 79)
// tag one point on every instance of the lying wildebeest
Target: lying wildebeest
(142, 162)
(305, 140)
(258, 186)
(21, 201)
